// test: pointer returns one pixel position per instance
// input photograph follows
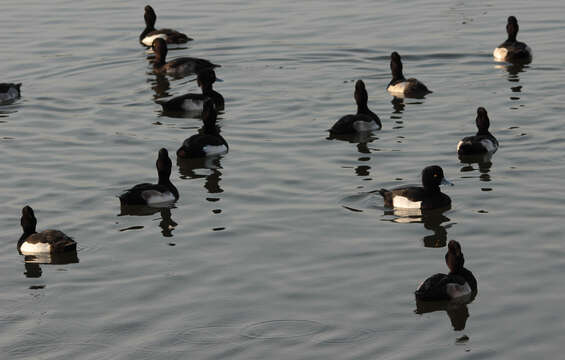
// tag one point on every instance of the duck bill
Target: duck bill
(444, 181)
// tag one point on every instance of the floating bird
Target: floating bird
(416, 197)
(399, 85)
(150, 33)
(364, 120)
(460, 283)
(163, 192)
(46, 242)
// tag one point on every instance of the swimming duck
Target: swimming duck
(460, 283)
(209, 142)
(481, 143)
(45, 242)
(150, 33)
(9, 92)
(364, 120)
(399, 85)
(415, 197)
(177, 67)
(150, 194)
(195, 102)
(512, 50)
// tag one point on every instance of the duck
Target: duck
(179, 66)
(481, 143)
(150, 33)
(458, 284)
(428, 197)
(163, 192)
(399, 85)
(512, 50)
(208, 142)
(9, 92)
(46, 242)
(195, 102)
(364, 120)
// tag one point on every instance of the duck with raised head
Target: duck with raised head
(512, 50)
(150, 33)
(208, 142)
(195, 102)
(399, 85)
(163, 192)
(459, 283)
(425, 197)
(46, 242)
(364, 120)
(9, 92)
(481, 143)
(179, 66)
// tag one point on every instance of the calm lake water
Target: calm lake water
(280, 249)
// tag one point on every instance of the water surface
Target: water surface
(281, 249)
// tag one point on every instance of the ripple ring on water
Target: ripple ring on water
(282, 329)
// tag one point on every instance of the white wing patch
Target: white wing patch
(148, 40)
(215, 149)
(403, 202)
(192, 105)
(455, 290)
(488, 145)
(157, 197)
(37, 248)
(397, 88)
(365, 125)
(500, 54)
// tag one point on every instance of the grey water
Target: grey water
(280, 249)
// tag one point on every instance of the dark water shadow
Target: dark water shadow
(457, 311)
(188, 167)
(432, 220)
(166, 223)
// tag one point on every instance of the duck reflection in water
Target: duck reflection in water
(188, 169)
(32, 262)
(432, 220)
(397, 105)
(160, 85)
(361, 139)
(483, 162)
(457, 312)
(167, 224)
(513, 70)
